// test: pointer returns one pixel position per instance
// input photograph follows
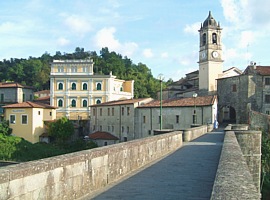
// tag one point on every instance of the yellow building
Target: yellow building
(27, 119)
(74, 87)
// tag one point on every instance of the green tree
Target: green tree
(4, 128)
(61, 129)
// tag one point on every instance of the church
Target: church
(204, 81)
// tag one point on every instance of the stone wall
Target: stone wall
(239, 169)
(195, 132)
(259, 121)
(75, 175)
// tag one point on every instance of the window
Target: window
(60, 86)
(84, 86)
(73, 86)
(98, 86)
(50, 113)
(38, 112)
(23, 97)
(84, 103)
(267, 112)
(123, 110)
(12, 119)
(127, 129)
(60, 103)
(214, 38)
(94, 112)
(267, 98)
(84, 69)
(123, 129)
(159, 119)
(267, 81)
(2, 97)
(112, 128)
(100, 111)
(144, 119)
(73, 69)
(112, 111)
(60, 69)
(177, 119)
(128, 110)
(121, 89)
(73, 103)
(24, 119)
(204, 39)
(105, 143)
(125, 139)
(31, 97)
(109, 128)
(94, 127)
(234, 88)
(100, 128)
(108, 111)
(98, 101)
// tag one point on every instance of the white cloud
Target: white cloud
(106, 38)
(78, 24)
(148, 53)
(164, 55)
(192, 28)
(246, 38)
(62, 41)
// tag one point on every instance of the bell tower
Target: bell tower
(210, 54)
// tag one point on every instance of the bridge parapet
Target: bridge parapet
(75, 175)
(238, 174)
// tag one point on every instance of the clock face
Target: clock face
(215, 54)
(203, 54)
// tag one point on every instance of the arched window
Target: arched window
(73, 86)
(60, 103)
(73, 103)
(60, 86)
(84, 103)
(204, 39)
(214, 38)
(85, 86)
(98, 101)
(98, 86)
(121, 89)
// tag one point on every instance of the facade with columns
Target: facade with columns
(74, 87)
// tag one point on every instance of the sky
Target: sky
(161, 34)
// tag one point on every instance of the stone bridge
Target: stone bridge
(197, 163)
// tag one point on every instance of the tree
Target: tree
(4, 128)
(61, 129)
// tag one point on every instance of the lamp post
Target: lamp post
(160, 77)
(195, 114)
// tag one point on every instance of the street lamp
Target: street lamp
(160, 77)
(195, 114)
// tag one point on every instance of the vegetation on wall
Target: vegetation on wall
(35, 71)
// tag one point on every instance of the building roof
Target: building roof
(14, 85)
(42, 92)
(29, 104)
(182, 102)
(120, 102)
(102, 136)
(263, 70)
(210, 21)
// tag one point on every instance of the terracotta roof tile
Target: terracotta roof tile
(43, 92)
(263, 70)
(102, 135)
(119, 102)
(182, 102)
(14, 85)
(29, 104)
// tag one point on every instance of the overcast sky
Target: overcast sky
(161, 34)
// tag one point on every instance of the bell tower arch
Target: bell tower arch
(210, 54)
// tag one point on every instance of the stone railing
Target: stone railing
(75, 175)
(195, 132)
(238, 174)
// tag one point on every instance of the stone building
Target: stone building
(177, 114)
(117, 117)
(12, 92)
(236, 93)
(74, 86)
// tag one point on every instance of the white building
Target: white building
(117, 117)
(74, 86)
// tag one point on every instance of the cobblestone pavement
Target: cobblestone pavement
(188, 173)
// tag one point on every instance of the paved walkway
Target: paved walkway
(189, 173)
